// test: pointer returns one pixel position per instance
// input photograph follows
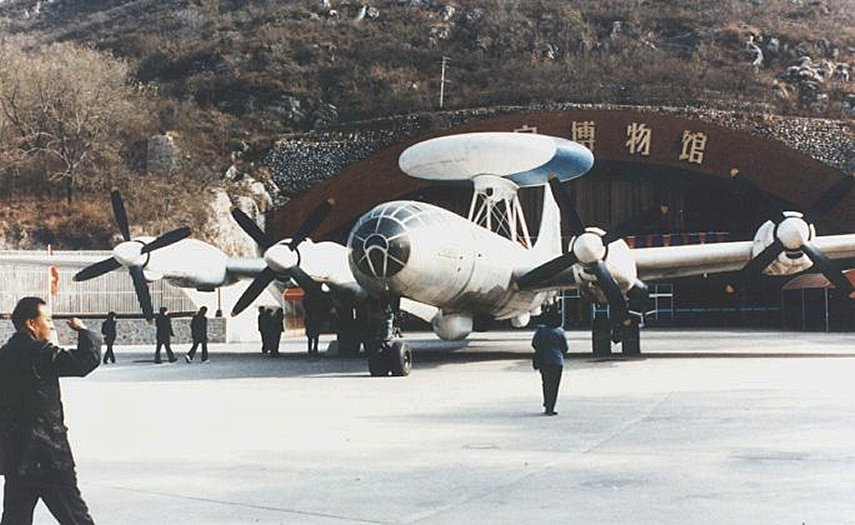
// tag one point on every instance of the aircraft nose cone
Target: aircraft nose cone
(589, 248)
(380, 247)
(793, 232)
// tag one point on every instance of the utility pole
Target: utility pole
(445, 60)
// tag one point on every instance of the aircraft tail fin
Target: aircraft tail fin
(548, 242)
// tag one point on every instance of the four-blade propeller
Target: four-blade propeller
(589, 248)
(282, 259)
(793, 235)
(131, 254)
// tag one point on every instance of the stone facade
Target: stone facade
(302, 160)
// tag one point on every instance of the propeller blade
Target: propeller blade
(309, 285)
(166, 239)
(97, 269)
(311, 223)
(634, 224)
(617, 302)
(763, 259)
(830, 198)
(254, 290)
(248, 225)
(120, 215)
(141, 288)
(547, 270)
(569, 216)
(828, 269)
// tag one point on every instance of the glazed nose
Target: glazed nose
(381, 247)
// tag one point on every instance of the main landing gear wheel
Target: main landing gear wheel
(378, 364)
(601, 336)
(631, 342)
(395, 358)
(400, 358)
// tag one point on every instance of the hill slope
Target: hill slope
(233, 76)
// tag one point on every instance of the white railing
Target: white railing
(113, 291)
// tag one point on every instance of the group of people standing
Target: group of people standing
(271, 324)
(164, 334)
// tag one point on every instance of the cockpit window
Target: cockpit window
(381, 246)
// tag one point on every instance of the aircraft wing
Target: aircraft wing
(245, 267)
(698, 259)
(62, 260)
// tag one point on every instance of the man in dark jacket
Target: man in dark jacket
(38, 460)
(164, 333)
(199, 333)
(275, 327)
(263, 321)
(108, 330)
(550, 345)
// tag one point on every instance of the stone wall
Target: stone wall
(301, 160)
(131, 331)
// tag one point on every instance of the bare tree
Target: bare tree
(67, 110)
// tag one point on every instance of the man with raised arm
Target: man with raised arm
(37, 459)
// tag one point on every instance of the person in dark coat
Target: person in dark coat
(108, 330)
(37, 459)
(263, 320)
(199, 333)
(550, 346)
(312, 325)
(275, 327)
(164, 333)
(315, 307)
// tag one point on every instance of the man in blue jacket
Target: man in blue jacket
(38, 463)
(550, 346)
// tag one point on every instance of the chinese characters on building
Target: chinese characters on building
(694, 143)
(584, 133)
(525, 128)
(638, 141)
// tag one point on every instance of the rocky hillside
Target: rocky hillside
(230, 77)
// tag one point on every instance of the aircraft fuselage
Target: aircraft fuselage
(434, 256)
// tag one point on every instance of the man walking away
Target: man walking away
(263, 320)
(38, 460)
(108, 330)
(550, 346)
(164, 333)
(199, 332)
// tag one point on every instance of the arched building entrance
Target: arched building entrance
(643, 159)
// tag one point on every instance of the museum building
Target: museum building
(720, 174)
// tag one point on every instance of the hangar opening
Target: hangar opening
(705, 204)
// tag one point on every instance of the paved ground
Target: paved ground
(708, 427)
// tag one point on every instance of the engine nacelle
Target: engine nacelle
(789, 261)
(190, 263)
(451, 327)
(621, 265)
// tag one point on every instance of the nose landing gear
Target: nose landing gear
(390, 353)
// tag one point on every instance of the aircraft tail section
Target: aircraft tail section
(548, 242)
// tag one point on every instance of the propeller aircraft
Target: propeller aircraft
(447, 269)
